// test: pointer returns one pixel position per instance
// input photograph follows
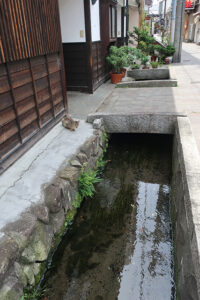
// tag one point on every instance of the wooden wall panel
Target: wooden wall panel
(98, 65)
(28, 29)
(30, 98)
(76, 67)
(32, 80)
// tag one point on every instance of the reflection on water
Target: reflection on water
(120, 245)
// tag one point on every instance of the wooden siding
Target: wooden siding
(28, 29)
(31, 96)
(98, 65)
(75, 58)
(32, 80)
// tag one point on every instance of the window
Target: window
(112, 22)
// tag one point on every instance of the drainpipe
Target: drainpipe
(127, 22)
(173, 20)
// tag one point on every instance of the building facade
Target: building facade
(32, 77)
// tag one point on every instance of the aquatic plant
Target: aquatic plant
(33, 294)
(86, 183)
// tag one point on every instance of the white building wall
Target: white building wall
(119, 21)
(95, 21)
(72, 21)
(133, 18)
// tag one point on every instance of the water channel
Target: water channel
(120, 245)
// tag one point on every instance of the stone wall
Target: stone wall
(27, 242)
(186, 211)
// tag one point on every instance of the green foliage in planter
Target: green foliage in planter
(116, 59)
(136, 66)
(144, 60)
(142, 35)
(169, 50)
(147, 44)
(154, 64)
(124, 56)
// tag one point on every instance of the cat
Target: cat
(69, 123)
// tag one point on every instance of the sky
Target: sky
(154, 8)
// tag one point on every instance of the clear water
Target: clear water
(120, 245)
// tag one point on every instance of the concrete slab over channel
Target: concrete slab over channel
(137, 122)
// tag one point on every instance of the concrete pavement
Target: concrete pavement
(184, 99)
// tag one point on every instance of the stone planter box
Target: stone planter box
(150, 74)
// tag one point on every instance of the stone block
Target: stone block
(41, 212)
(11, 289)
(57, 221)
(22, 230)
(70, 173)
(39, 246)
(98, 123)
(53, 197)
(82, 157)
(75, 163)
(8, 253)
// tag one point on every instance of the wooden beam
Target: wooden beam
(35, 95)
(88, 35)
(63, 77)
(14, 102)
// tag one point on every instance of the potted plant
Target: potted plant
(117, 60)
(135, 66)
(144, 61)
(169, 51)
(154, 64)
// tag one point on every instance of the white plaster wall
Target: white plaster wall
(197, 33)
(119, 21)
(133, 18)
(72, 21)
(125, 26)
(95, 22)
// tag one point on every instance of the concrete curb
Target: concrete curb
(186, 200)
(148, 83)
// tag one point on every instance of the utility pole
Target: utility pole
(173, 20)
(178, 36)
(127, 22)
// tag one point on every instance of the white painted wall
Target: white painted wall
(119, 21)
(133, 18)
(95, 22)
(72, 21)
(125, 26)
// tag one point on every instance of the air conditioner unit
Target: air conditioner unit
(191, 31)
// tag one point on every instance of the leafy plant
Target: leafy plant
(169, 50)
(86, 183)
(136, 66)
(154, 64)
(33, 294)
(144, 60)
(117, 59)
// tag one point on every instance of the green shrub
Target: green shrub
(136, 66)
(154, 64)
(144, 60)
(116, 59)
(86, 183)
